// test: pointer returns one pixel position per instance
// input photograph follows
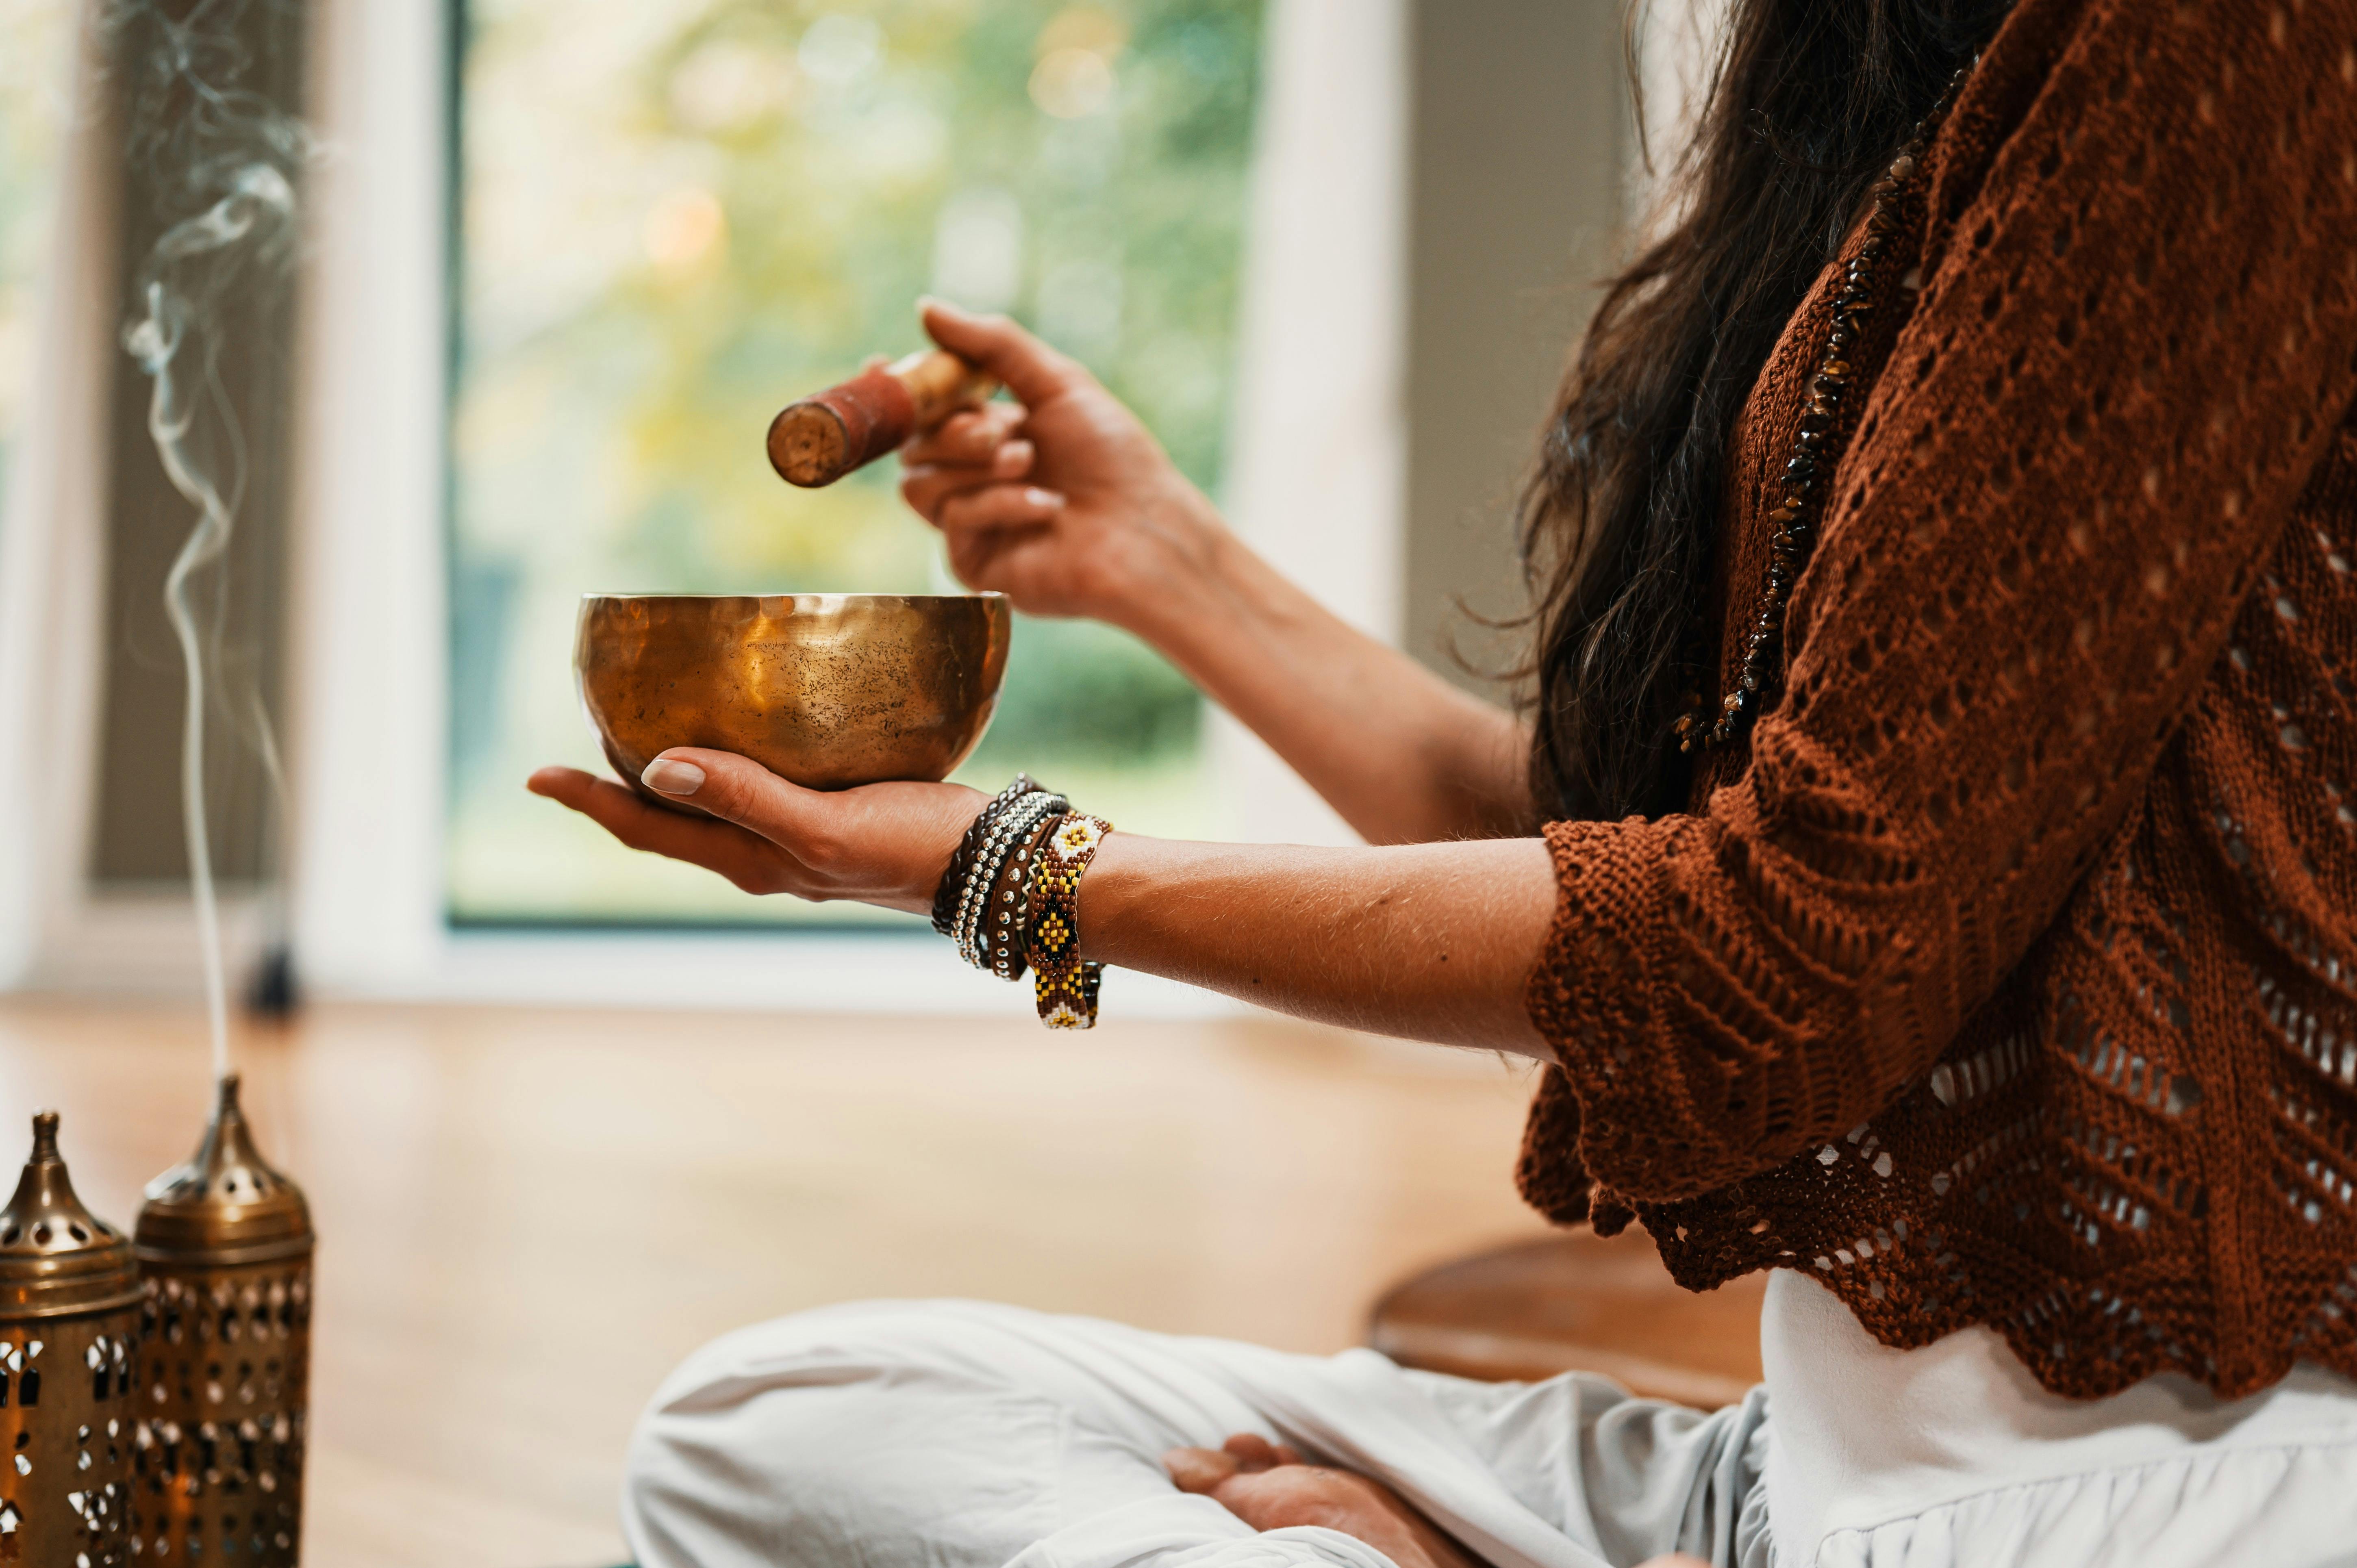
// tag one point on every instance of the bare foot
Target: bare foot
(1268, 1486)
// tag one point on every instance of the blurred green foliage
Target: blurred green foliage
(679, 214)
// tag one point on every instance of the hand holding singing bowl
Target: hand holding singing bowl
(813, 725)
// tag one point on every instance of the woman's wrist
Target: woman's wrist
(1201, 597)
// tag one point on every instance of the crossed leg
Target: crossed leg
(960, 1434)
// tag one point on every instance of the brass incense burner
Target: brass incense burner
(827, 690)
(69, 1323)
(224, 1248)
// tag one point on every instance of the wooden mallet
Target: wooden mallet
(818, 440)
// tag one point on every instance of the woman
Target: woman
(1942, 732)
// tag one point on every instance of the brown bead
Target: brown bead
(1794, 529)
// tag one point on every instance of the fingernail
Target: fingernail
(665, 777)
(1039, 496)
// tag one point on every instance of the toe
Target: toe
(1253, 1452)
(1200, 1470)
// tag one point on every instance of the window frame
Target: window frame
(1315, 483)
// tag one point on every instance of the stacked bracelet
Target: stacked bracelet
(1011, 828)
(1007, 926)
(1064, 982)
(1010, 898)
(960, 873)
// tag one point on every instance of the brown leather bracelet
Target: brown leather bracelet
(960, 866)
(1007, 931)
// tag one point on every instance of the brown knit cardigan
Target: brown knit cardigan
(2009, 975)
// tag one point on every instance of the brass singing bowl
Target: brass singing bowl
(827, 690)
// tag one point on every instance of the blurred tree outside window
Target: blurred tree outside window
(35, 103)
(676, 216)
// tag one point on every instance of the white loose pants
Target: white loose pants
(959, 1434)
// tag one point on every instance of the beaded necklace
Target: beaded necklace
(1796, 513)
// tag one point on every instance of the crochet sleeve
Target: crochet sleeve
(2135, 334)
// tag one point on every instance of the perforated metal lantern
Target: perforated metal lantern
(69, 1321)
(224, 1248)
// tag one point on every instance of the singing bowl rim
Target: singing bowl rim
(811, 767)
(985, 594)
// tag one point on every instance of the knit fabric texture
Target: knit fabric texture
(2008, 975)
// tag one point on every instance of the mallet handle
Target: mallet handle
(818, 440)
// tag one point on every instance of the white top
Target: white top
(1865, 1435)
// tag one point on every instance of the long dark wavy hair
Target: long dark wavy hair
(1805, 105)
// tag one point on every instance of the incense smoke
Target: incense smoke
(223, 160)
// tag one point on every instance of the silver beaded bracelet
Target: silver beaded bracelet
(1013, 830)
(960, 875)
(1013, 827)
(1004, 928)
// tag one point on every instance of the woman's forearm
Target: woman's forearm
(1424, 941)
(1403, 755)
(1433, 941)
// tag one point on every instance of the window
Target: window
(676, 215)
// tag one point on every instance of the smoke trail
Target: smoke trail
(224, 159)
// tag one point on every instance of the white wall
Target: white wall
(52, 572)
(1317, 453)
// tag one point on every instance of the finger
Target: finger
(1017, 561)
(926, 487)
(715, 846)
(1287, 1454)
(968, 438)
(998, 506)
(1032, 371)
(1253, 1451)
(736, 790)
(1011, 561)
(1198, 1469)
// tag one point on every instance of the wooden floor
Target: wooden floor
(527, 1217)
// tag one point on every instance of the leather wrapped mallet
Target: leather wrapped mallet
(818, 440)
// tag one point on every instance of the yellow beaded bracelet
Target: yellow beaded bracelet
(1064, 982)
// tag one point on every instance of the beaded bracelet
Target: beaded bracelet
(1006, 935)
(1064, 982)
(1013, 827)
(984, 871)
(961, 867)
